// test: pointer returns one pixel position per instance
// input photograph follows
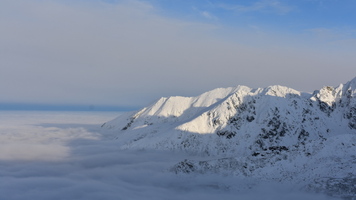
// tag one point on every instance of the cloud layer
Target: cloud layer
(271, 6)
(129, 53)
(78, 163)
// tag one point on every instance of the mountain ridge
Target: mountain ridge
(214, 111)
(272, 133)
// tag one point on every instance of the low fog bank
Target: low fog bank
(63, 156)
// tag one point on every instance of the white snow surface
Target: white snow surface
(271, 133)
(61, 155)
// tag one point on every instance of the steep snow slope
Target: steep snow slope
(236, 118)
(274, 132)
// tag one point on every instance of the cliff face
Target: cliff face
(241, 121)
(274, 132)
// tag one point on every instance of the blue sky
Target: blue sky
(131, 52)
(279, 15)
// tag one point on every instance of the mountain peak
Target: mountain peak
(238, 111)
(280, 91)
(351, 85)
(265, 132)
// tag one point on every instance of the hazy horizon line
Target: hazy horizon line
(64, 107)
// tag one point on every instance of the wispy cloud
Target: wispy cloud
(208, 15)
(269, 6)
(128, 53)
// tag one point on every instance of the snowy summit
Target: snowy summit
(271, 133)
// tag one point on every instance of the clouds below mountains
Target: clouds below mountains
(61, 156)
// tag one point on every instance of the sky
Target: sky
(128, 53)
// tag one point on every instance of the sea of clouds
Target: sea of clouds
(65, 155)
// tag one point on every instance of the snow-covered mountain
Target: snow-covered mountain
(271, 133)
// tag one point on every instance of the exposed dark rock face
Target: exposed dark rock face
(273, 133)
